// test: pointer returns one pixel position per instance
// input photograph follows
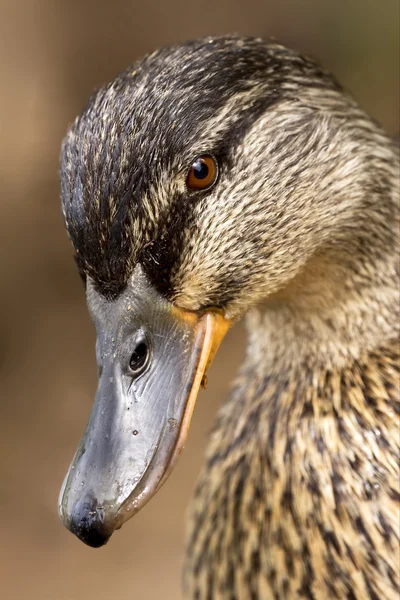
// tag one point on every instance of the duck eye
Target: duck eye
(203, 173)
(139, 358)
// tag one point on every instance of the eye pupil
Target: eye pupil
(200, 169)
(138, 359)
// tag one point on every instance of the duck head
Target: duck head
(196, 183)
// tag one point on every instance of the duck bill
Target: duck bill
(139, 422)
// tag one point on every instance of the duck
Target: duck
(228, 178)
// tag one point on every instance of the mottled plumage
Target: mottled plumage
(299, 494)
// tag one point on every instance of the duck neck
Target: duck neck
(328, 316)
(344, 301)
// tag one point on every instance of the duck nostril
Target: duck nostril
(139, 358)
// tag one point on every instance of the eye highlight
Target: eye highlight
(203, 173)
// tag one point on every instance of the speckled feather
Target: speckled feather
(125, 159)
(299, 495)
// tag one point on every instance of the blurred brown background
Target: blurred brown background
(53, 54)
